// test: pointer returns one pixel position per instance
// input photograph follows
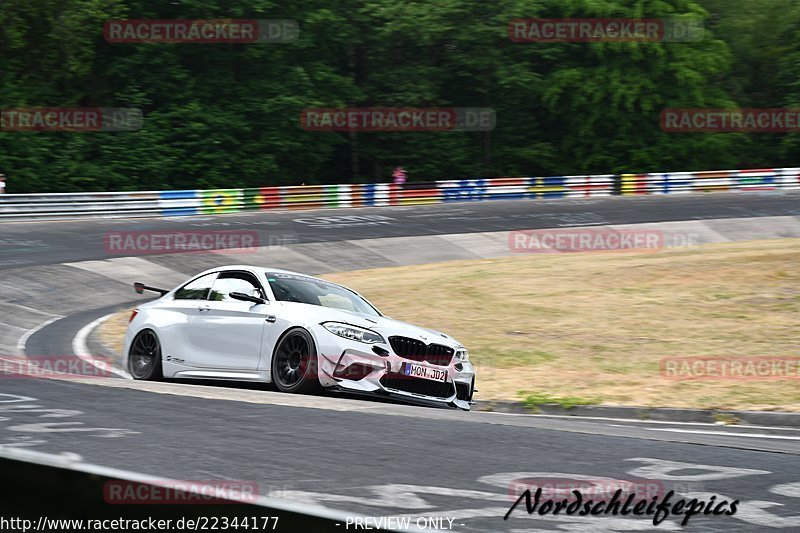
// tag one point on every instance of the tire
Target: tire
(294, 363)
(144, 357)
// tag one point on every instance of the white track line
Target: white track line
(5, 325)
(81, 349)
(725, 433)
(27, 335)
(643, 421)
(32, 309)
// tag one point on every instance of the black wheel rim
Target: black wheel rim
(144, 354)
(291, 360)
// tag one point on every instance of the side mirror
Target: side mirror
(247, 298)
(141, 287)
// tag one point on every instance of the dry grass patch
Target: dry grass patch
(593, 327)
(112, 331)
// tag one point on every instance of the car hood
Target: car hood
(388, 327)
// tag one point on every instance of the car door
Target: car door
(177, 315)
(227, 333)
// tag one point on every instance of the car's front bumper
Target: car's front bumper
(353, 367)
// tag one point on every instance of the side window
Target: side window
(229, 282)
(197, 289)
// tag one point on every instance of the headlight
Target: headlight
(353, 332)
(462, 354)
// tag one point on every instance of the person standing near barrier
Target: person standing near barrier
(399, 176)
(2, 183)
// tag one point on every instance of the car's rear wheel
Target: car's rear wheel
(294, 363)
(144, 359)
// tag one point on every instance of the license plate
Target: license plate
(424, 372)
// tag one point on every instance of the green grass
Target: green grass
(532, 400)
(726, 419)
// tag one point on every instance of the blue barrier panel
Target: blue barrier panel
(177, 203)
(670, 183)
(368, 193)
(462, 190)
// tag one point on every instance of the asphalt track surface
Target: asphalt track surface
(367, 457)
(45, 243)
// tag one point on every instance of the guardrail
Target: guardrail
(214, 201)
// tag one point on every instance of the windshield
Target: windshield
(302, 289)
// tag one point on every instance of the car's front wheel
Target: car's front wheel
(294, 363)
(144, 359)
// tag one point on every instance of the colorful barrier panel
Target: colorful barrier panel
(176, 203)
(217, 201)
(602, 185)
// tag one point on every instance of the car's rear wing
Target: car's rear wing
(141, 287)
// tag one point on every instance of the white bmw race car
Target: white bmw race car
(250, 323)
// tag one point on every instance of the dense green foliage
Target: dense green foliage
(228, 115)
